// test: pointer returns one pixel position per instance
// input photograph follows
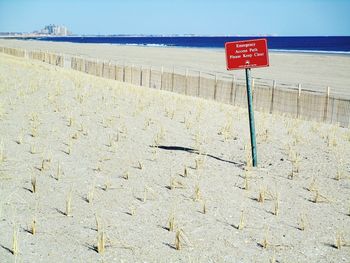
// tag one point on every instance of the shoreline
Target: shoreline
(282, 51)
(164, 46)
(51, 39)
(289, 51)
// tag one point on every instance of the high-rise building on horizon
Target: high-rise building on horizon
(55, 30)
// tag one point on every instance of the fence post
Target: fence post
(298, 100)
(235, 96)
(93, 64)
(325, 112)
(70, 61)
(141, 76)
(233, 83)
(215, 85)
(186, 81)
(199, 83)
(84, 62)
(124, 72)
(110, 73)
(131, 74)
(96, 67)
(161, 78)
(150, 76)
(272, 95)
(172, 79)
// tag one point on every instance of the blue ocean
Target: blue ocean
(322, 44)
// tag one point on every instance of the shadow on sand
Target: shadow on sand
(191, 150)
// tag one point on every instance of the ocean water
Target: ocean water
(322, 44)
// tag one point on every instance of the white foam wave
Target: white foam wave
(143, 45)
(310, 51)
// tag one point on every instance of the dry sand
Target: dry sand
(91, 138)
(313, 71)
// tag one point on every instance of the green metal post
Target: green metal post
(251, 118)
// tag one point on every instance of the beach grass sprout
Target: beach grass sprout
(15, 249)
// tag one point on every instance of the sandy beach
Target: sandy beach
(94, 170)
(312, 71)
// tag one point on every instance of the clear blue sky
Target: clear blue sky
(210, 17)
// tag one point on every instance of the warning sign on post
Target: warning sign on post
(246, 54)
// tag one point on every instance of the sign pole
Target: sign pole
(251, 117)
(248, 54)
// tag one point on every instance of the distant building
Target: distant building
(55, 30)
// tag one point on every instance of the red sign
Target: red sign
(246, 54)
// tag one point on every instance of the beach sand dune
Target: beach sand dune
(131, 162)
(312, 71)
